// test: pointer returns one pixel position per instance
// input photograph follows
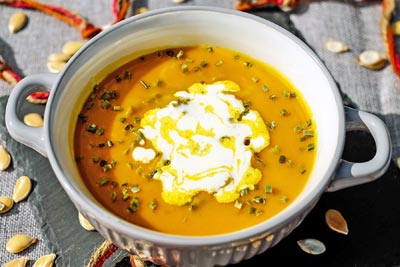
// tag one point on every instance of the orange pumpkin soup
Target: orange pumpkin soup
(194, 141)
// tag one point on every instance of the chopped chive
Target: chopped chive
(135, 188)
(210, 49)
(302, 169)
(259, 199)
(290, 163)
(308, 123)
(282, 159)
(271, 125)
(99, 131)
(122, 119)
(118, 79)
(107, 167)
(203, 64)
(101, 145)
(284, 112)
(93, 96)
(91, 128)
(157, 83)
(106, 96)
(248, 64)
(255, 79)
(284, 199)
(82, 118)
(129, 165)
(244, 191)
(308, 133)
(252, 210)
(95, 159)
(153, 204)
(89, 105)
(189, 60)
(180, 54)
(310, 147)
(110, 143)
(102, 163)
(127, 75)
(125, 151)
(219, 63)
(268, 189)
(144, 84)
(264, 88)
(116, 108)
(105, 103)
(103, 181)
(236, 57)
(259, 212)
(298, 128)
(114, 196)
(125, 194)
(124, 184)
(246, 103)
(275, 149)
(272, 97)
(114, 184)
(238, 204)
(137, 120)
(113, 163)
(184, 68)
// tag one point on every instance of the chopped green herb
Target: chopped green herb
(125, 194)
(284, 199)
(246, 103)
(308, 123)
(153, 204)
(110, 143)
(308, 133)
(158, 83)
(122, 119)
(137, 120)
(184, 67)
(189, 60)
(102, 163)
(101, 145)
(91, 128)
(284, 112)
(135, 188)
(103, 181)
(99, 131)
(113, 163)
(219, 63)
(268, 189)
(272, 125)
(259, 199)
(298, 128)
(236, 57)
(127, 75)
(210, 49)
(89, 105)
(116, 108)
(259, 212)
(114, 184)
(255, 79)
(310, 147)
(252, 210)
(170, 53)
(95, 159)
(105, 104)
(248, 64)
(272, 97)
(106, 96)
(114, 196)
(82, 118)
(244, 191)
(275, 149)
(265, 88)
(282, 159)
(93, 96)
(125, 151)
(238, 204)
(129, 165)
(180, 54)
(166, 162)
(107, 167)
(203, 64)
(302, 169)
(124, 184)
(144, 84)
(290, 163)
(118, 79)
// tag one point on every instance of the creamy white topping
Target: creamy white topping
(208, 138)
(144, 155)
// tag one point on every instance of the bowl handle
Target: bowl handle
(351, 173)
(29, 136)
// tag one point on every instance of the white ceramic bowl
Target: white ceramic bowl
(176, 27)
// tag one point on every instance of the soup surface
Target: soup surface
(194, 141)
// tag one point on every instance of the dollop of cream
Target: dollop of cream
(207, 138)
(144, 155)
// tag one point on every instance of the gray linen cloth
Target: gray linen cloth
(358, 26)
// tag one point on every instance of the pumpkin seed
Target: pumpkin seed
(336, 46)
(55, 66)
(38, 97)
(19, 243)
(85, 223)
(372, 59)
(20, 262)
(334, 219)
(5, 159)
(45, 261)
(33, 120)
(16, 22)
(22, 188)
(59, 57)
(396, 27)
(312, 246)
(9, 78)
(6, 203)
(71, 48)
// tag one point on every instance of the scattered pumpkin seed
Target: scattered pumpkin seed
(38, 97)
(334, 219)
(85, 223)
(55, 66)
(20, 262)
(312, 246)
(22, 188)
(372, 60)
(19, 243)
(336, 46)
(17, 22)
(6, 203)
(33, 120)
(45, 261)
(5, 159)
(57, 57)
(71, 48)
(7, 76)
